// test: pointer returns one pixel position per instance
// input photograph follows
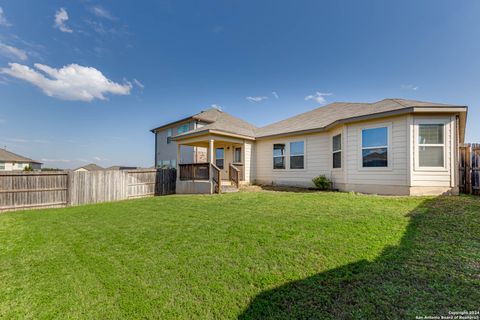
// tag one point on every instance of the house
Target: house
(117, 168)
(10, 161)
(89, 167)
(393, 147)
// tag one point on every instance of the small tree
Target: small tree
(28, 168)
(322, 182)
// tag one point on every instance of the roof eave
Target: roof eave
(436, 109)
(212, 131)
(194, 117)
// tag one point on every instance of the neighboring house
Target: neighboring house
(121, 168)
(393, 146)
(10, 161)
(89, 167)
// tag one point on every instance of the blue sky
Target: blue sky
(85, 81)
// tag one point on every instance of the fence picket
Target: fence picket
(25, 190)
(469, 168)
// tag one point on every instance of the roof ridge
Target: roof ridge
(398, 101)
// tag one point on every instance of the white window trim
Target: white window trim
(341, 150)
(416, 145)
(287, 155)
(284, 156)
(234, 154)
(389, 166)
(304, 155)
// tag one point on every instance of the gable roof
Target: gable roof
(90, 167)
(338, 112)
(209, 115)
(7, 156)
(223, 122)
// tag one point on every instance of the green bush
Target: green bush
(322, 182)
(28, 168)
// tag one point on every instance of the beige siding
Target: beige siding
(397, 173)
(401, 177)
(14, 166)
(249, 161)
(442, 177)
(317, 160)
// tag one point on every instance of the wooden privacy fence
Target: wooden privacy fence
(59, 189)
(470, 168)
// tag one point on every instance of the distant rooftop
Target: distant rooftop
(7, 156)
(91, 167)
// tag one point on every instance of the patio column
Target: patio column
(210, 150)
(179, 154)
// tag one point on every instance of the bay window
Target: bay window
(431, 145)
(337, 151)
(375, 147)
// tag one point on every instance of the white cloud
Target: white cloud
(102, 12)
(56, 160)
(410, 87)
(71, 82)
(12, 52)
(61, 16)
(138, 83)
(256, 99)
(3, 20)
(275, 94)
(100, 159)
(318, 97)
(18, 140)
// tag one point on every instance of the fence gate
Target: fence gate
(470, 168)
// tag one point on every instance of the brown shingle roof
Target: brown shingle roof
(7, 156)
(317, 119)
(338, 111)
(91, 167)
(224, 122)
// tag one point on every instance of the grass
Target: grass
(246, 255)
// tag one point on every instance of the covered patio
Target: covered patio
(220, 160)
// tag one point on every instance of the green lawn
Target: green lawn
(245, 255)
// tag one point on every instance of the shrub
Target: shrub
(322, 182)
(28, 168)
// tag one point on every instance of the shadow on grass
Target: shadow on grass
(434, 270)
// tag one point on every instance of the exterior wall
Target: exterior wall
(317, 160)
(397, 171)
(441, 177)
(248, 161)
(14, 166)
(401, 177)
(168, 151)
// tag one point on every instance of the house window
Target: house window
(375, 147)
(237, 155)
(337, 151)
(297, 155)
(2, 165)
(431, 145)
(279, 156)
(220, 157)
(183, 128)
(169, 135)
